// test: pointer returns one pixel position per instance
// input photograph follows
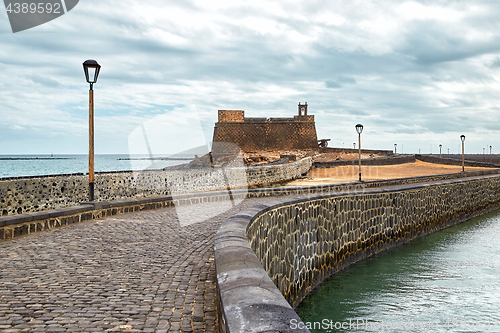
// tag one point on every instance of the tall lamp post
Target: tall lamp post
(395, 148)
(490, 154)
(91, 69)
(462, 137)
(440, 149)
(359, 129)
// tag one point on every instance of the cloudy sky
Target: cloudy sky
(418, 74)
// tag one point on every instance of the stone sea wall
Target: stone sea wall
(33, 194)
(454, 161)
(292, 245)
(391, 160)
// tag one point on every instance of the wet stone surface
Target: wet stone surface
(134, 272)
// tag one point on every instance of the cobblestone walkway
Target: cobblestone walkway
(135, 272)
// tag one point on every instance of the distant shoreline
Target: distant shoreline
(157, 158)
(35, 158)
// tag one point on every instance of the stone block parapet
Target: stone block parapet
(24, 224)
(300, 242)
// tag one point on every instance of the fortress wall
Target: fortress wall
(33, 194)
(270, 257)
(254, 136)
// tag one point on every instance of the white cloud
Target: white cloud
(395, 67)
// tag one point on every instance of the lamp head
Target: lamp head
(91, 69)
(359, 128)
(462, 137)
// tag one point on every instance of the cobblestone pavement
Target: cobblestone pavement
(136, 272)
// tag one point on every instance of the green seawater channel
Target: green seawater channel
(445, 282)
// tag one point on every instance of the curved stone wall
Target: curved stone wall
(302, 241)
(391, 160)
(33, 194)
(454, 161)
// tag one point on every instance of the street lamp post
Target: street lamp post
(91, 69)
(490, 154)
(440, 149)
(354, 144)
(462, 137)
(395, 148)
(359, 129)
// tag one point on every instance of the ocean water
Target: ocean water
(444, 282)
(38, 165)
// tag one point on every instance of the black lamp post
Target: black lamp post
(359, 129)
(91, 69)
(462, 137)
(490, 154)
(395, 148)
(440, 149)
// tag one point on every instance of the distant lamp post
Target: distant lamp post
(91, 69)
(448, 151)
(440, 150)
(395, 148)
(359, 129)
(490, 154)
(354, 144)
(462, 137)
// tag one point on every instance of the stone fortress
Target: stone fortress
(252, 134)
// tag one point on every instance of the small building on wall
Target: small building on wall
(254, 134)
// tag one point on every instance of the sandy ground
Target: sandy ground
(349, 173)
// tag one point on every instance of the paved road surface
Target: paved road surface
(135, 272)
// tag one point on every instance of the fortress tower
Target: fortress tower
(253, 134)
